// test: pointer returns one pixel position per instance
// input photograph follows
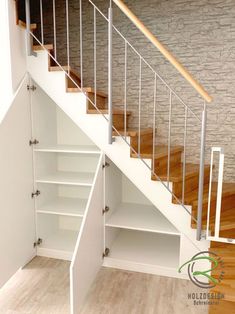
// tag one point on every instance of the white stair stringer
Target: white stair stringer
(96, 127)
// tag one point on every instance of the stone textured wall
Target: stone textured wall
(200, 33)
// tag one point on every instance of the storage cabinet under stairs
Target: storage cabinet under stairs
(65, 162)
(137, 236)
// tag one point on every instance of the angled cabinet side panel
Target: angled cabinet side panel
(17, 217)
(87, 258)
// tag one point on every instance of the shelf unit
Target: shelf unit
(72, 149)
(140, 217)
(138, 236)
(65, 162)
(69, 178)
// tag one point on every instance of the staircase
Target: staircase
(167, 165)
(159, 169)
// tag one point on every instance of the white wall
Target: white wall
(13, 55)
(17, 47)
(5, 64)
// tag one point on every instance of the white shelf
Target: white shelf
(59, 245)
(68, 178)
(74, 149)
(64, 206)
(146, 248)
(140, 217)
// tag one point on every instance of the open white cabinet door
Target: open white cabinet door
(17, 218)
(88, 258)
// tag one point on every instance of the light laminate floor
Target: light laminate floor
(123, 292)
(42, 287)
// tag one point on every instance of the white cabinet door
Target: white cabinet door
(87, 258)
(17, 218)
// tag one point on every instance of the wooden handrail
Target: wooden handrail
(166, 53)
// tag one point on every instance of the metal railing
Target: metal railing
(156, 76)
(213, 228)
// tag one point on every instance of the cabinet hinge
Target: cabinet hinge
(106, 252)
(105, 210)
(38, 242)
(31, 87)
(37, 193)
(106, 165)
(33, 142)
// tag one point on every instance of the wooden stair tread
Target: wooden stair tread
(229, 272)
(228, 189)
(86, 90)
(91, 90)
(226, 258)
(105, 111)
(218, 245)
(223, 249)
(161, 151)
(22, 24)
(58, 68)
(224, 225)
(227, 220)
(134, 132)
(224, 307)
(39, 47)
(229, 292)
(192, 197)
(228, 214)
(229, 283)
(176, 174)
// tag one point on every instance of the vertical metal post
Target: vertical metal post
(110, 75)
(169, 142)
(209, 196)
(140, 95)
(201, 174)
(184, 156)
(41, 18)
(28, 23)
(95, 80)
(154, 120)
(125, 92)
(219, 193)
(81, 44)
(54, 28)
(67, 35)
